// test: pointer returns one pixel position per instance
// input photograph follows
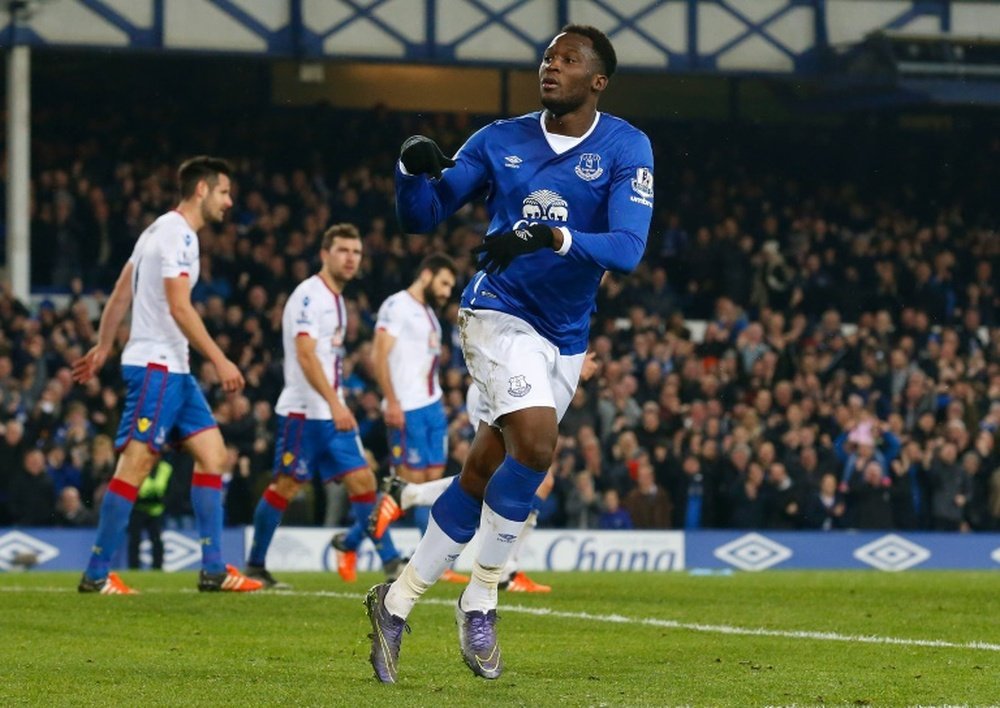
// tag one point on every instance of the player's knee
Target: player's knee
(359, 481)
(534, 450)
(212, 461)
(135, 463)
(535, 456)
(286, 487)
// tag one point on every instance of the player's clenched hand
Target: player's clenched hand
(394, 415)
(343, 419)
(499, 251)
(422, 156)
(230, 376)
(87, 366)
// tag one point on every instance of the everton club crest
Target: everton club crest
(518, 386)
(589, 167)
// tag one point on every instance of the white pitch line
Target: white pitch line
(620, 619)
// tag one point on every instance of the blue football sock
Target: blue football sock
(457, 513)
(266, 519)
(361, 509)
(511, 490)
(115, 511)
(385, 548)
(206, 500)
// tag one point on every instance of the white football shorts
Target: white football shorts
(513, 367)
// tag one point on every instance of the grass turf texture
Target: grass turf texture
(174, 646)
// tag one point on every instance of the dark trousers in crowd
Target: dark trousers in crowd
(141, 522)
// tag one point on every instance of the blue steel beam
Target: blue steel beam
(758, 28)
(498, 17)
(631, 23)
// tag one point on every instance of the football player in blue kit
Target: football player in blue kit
(570, 194)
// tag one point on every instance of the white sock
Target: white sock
(405, 591)
(498, 535)
(435, 553)
(529, 525)
(424, 493)
(481, 592)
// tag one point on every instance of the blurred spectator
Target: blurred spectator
(97, 471)
(583, 509)
(747, 502)
(613, 517)
(32, 502)
(12, 449)
(70, 511)
(950, 486)
(647, 504)
(781, 499)
(823, 508)
(62, 470)
(868, 502)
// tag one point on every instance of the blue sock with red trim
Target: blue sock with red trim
(266, 519)
(115, 511)
(206, 500)
(361, 509)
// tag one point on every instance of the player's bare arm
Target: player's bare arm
(87, 366)
(305, 354)
(178, 292)
(384, 342)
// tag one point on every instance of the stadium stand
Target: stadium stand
(812, 341)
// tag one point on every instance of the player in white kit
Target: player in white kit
(164, 403)
(407, 353)
(317, 432)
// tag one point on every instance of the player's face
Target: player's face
(569, 74)
(438, 290)
(218, 200)
(343, 259)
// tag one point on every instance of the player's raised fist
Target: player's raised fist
(422, 156)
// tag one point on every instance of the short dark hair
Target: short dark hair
(339, 231)
(602, 45)
(436, 262)
(199, 168)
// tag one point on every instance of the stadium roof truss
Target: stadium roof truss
(726, 36)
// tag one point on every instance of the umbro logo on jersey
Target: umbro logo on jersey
(512, 161)
(545, 204)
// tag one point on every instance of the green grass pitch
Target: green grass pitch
(614, 639)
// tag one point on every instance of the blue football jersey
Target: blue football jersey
(601, 191)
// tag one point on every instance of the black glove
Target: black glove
(422, 156)
(498, 251)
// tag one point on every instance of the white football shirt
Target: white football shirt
(413, 360)
(168, 248)
(312, 310)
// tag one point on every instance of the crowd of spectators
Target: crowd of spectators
(812, 341)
